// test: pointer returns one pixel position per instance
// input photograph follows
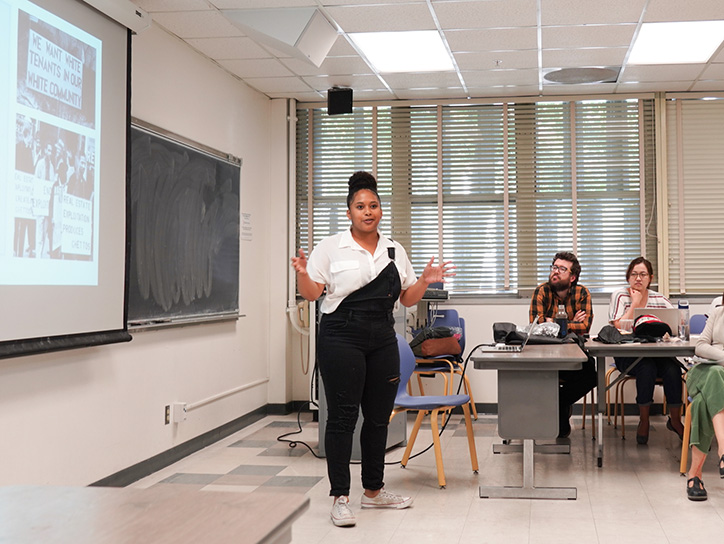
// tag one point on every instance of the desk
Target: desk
(528, 408)
(158, 515)
(600, 351)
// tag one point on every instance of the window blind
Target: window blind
(497, 188)
(695, 164)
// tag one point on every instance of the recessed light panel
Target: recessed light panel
(689, 42)
(416, 51)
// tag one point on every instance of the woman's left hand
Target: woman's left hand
(435, 274)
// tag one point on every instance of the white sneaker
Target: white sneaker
(385, 499)
(342, 515)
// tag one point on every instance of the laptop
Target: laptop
(669, 316)
(516, 348)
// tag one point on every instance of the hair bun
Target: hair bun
(362, 180)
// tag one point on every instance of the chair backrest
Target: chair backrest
(407, 364)
(714, 303)
(697, 323)
(447, 317)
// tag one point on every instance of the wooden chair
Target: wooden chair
(433, 404)
(593, 415)
(687, 437)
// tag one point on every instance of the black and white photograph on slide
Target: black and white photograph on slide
(53, 192)
(56, 72)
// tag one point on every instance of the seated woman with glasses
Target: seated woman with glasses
(705, 383)
(649, 369)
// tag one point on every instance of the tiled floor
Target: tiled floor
(638, 496)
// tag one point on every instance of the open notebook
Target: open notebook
(511, 348)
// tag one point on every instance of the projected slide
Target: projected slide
(49, 183)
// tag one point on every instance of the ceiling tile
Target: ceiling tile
(495, 78)
(653, 86)
(503, 91)
(568, 58)
(422, 80)
(588, 89)
(676, 72)
(718, 56)
(382, 18)
(496, 39)
(299, 96)
(488, 14)
(197, 24)
(363, 2)
(249, 68)
(484, 60)
(373, 95)
(709, 85)
(330, 66)
(278, 84)
(429, 93)
(229, 48)
(713, 71)
(568, 37)
(356, 82)
(261, 4)
(173, 5)
(691, 10)
(342, 48)
(587, 12)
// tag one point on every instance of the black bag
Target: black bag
(501, 331)
(610, 335)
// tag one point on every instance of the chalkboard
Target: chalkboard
(184, 231)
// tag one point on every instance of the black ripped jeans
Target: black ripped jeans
(360, 365)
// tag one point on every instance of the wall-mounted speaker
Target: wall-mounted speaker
(339, 100)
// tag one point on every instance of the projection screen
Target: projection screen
(64, 121)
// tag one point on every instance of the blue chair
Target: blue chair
(435, 404)
(447, 365)
(697, 323)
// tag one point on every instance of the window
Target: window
(497, 188)
(695, 192)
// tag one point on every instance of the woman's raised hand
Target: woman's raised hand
(300, 263)
(435, 274)
(637, 297)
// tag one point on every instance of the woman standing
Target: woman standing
(705, 384)
(365, 273)
(623, 301)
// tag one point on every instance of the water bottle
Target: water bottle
(684, 319)
(562, 320)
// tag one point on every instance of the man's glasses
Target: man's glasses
(556, 268)
(642, 275)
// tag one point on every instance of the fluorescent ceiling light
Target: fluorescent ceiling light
(690, 42)
(416, 51)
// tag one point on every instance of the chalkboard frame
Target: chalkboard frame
(150, 316)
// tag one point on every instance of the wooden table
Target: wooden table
(528, 409)
(158, 515)
(600, 351)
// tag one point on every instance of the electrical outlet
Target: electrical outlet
(178, 412)
(167, 414)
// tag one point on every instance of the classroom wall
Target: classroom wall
(74, 417)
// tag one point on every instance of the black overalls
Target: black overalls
(360, 365)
